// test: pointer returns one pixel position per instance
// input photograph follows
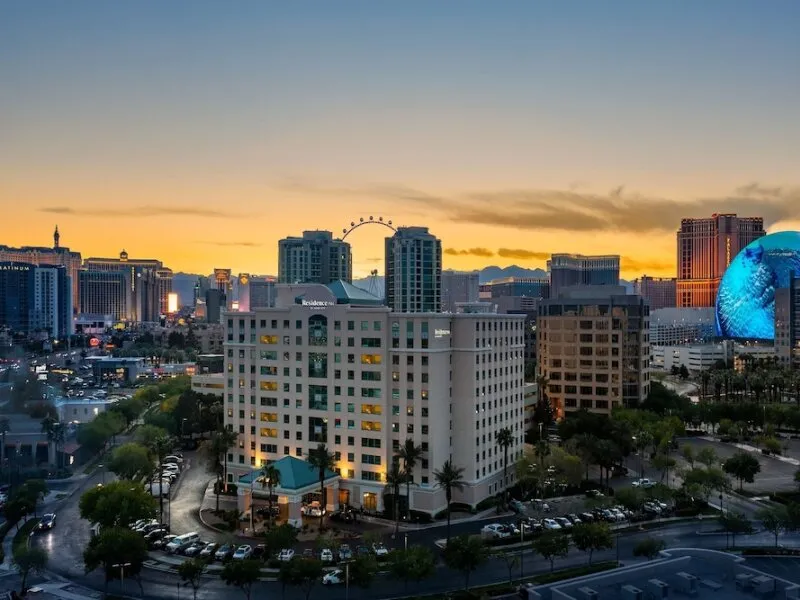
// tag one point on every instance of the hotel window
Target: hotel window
(269, 432)
(371, 409)
(364, 325)
(269, 386)
(269, 339)
(370, 425)
(317, 331)
(269, 417)
(371, 359)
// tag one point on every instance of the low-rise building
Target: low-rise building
(115, 369)
(674, 326)
(700, 357)
(209, 383)
(81, 410)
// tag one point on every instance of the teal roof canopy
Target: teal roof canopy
(295, 473)
(347, 293)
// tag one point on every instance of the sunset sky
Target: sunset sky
(201, 132)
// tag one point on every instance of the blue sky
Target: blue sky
(243, 105)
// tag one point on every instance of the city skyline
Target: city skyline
(202, 137)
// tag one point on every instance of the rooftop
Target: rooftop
(347, 293)
(685, 571)
(296, 474)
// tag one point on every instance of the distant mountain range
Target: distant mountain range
(183, 283)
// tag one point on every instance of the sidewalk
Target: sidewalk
(7, 565)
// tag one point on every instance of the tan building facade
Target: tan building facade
(330, 364)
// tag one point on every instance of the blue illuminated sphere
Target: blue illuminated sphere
(746, 296)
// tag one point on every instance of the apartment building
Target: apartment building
(658, 291)
(316, 257)
(593, 348)
(331, 364)
(568, 270)
(413, 268)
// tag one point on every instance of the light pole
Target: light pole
(183, 427)
(347, 580)
(252, 506)
(102, 468)
(121, 567)
(521, 551)
(405, 541)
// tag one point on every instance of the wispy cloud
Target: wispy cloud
(229, 244)
(144, 211)
(483, 252)
(573, 209)
(632, 265)
(522, 254)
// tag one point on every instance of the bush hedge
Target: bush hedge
(575, 572)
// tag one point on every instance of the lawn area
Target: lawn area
(21, 537)
(575, 572)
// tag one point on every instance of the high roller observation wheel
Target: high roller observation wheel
(371, 220)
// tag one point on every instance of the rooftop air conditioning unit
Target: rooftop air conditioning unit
(586, 593)
(686, 583)
(658, 589)
(631, 592)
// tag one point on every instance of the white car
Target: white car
(494, 531)
(333, 578)
(312, 510)
(326, 555)
(286, 555)
(379, 549)
(550, 525)
(643, 483)
(540, 504)
(243, 552)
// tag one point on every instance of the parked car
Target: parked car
(308, 553)
(150, 527)
(574, 519)
(286, 555)
(195, 548)
(517, 506)
(345, 553)
(511, 529)
(539, 504)
(379, 549)
(494, 531)
(326, 555)
(643, 483)
(141, 528)
(594, 494)
(264, 511)
(362, 551)
(243, 552)
(333, 577)
(314, 509)
(224, 552)
(209, 550)
(587, 517)
(155, 534)
(259, 551)
(47, 522)
(550, 525)
(160, 544)
(564, 522)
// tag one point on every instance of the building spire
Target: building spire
(56, 238)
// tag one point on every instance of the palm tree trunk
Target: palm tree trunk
(447, 496)
(322, 498)
(218, 488)
(408, 497)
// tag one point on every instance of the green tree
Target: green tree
(551, 545)
(417, 563)
(505, 439)
(465, 554)
(278, 538)
(270, 479)
(663, 463)
(774, 520)
(159, 448)
(631, 498)
(395, 477)
(302, 573)
(511, 561)
(29, 559)
(649, 548)
(735, 524)
(32, 491)
(215, 451)
(242, 574)
(117, 504)
(130, 461)
(743, 466)
(129, 409)
(589, 537)
(191, 572)
(450, 478)
(324, 462)
(113, 547)
(683, 372)
(688, 454)
(362, 571)
(410, 454)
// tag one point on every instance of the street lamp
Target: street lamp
(405, 541)
(102, 468)
(521, 552)
(183, 427)
(121, 567)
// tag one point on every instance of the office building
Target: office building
(35, 299)
(787, 323)
(316, 257)
(658, 291)
(216, 303)
(705, 249)
(567, 270)
(675, 326)
(129, 295)
(701, 357)
(331, 364)
(593, 348)
(255, 292)
(58, 255)
(413, 271)
(537, 288)
(158, 276)
(458, 287)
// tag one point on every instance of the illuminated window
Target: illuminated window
(269, 417)
(371, 409)
(269, 432)
(269, 386)
(269, 339)
(370, 426)
(371, 359)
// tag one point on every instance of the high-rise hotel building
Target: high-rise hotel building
(705, 249)
(567, 270)
(314, 258)
(331, 364)
(35, 299)
(593, 349)
(413, 271)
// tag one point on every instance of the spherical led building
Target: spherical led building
(746, 296)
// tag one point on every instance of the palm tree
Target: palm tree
(323, 461)
(159, 447)
(541, 387)
(270, 479)
(450, 478)
(504, 439)
(409, 454)
(395, 477)
(55, 433)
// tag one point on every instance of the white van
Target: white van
(179, 541)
